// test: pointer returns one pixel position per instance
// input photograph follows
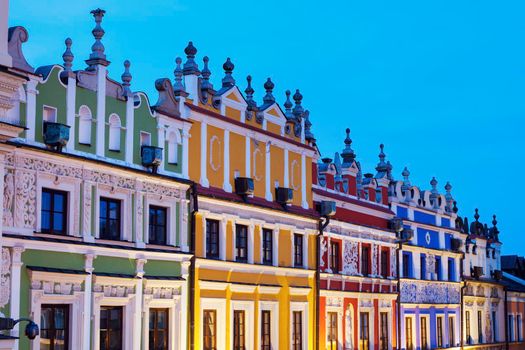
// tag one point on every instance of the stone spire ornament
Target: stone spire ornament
(97, 56)
(382, 166)
(126, 79)
(359, 180)
(308, 135)
(268, 99)
(494, 229)
(178, 87)
(206, 73)
(348, 153)
(434, 194)
(228, 81)
(190, 66)
(68, 56)
(249, 94)
(405, 187)
(448, 197)
(298, 110)
(288, 106)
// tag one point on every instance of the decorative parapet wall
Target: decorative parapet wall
(429, 292)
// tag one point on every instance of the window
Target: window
(334, 257)
(109, 218)
(298, 250)
(267, 246)
(332, 331)
(365, 260)
(266, 329)
(54, 211)
(297, 330)
(157, 225)
(111, 328)
(145, 138)
(241, 243)
(114, 132)
(210, 330)
(438, 268)
(451, 337)
(467, 327)
(385, 260)
(480, 327)
(364, 332)
(158, 329)
(406, 265)
(84, 125)
(423, 264)
(495, 328)
(518, 325)
(212, 239)
(424, 333)
(408, 333)
(54, 327)
(451, 270)
(439, 332)
(511, 328)
(173, 152)
(49, 114)
(383, 337)
(239, 335)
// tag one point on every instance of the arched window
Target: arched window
(173, 149)
(84, 125)
(114, 132)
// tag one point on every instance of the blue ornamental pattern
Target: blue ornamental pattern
(429, 292)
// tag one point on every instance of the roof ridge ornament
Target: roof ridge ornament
(308, 135)
(298, 110)
(448, 197)
(405, 187)
(190, 66)
(206, 87)
(178, 86)
(288, 105)
(252, 105)
(126, 79)
(348, 153)
(434, 193)
(97, 56)
(68, 56)
(382, 166)
(228, 81)
(268, 86)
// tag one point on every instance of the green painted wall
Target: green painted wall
(114, 265)
(176, 168)
(88, 98)
(162, 268)
(23, 116)
(51, 93)
(118, 107)
(143, 122)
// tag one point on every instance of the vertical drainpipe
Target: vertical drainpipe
(506, 310)
(463, 285)
(191, 305)
(322, 226)
(398, 323)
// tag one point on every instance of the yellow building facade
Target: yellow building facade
(254, 226)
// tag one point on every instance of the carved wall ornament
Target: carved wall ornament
(25, 202)
(366, 303)
(350, 258)
(50, 287)
(9, 196)
(393, 266)
(375, 254)
(5, 278)
(422, 292)
(349, 328)
(117, 291)
(161, 292)
(334, 301)
(324, 250)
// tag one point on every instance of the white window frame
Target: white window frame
(86, 120)
(65, 184)
(49, 108)
(443, 324)
(371, 324)
(305, 247)
(340, 329)
(275, 243)
(449, 316)
(273, 307)
(170, 204)
(519, 327)
(388, 310)
(512, 335)
(174, 141)
(248, 308)
(412, 320)
(219, 305)
(223, 227)
(145, 136)
(125, 212)
(114, 130)
(303, 307)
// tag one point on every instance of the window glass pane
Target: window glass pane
(46, 200)
(58, 204)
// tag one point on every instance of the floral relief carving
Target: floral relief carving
(375, 254)
(430, 263)
(393, 266)
(56, 288)
(430, 293)
(160, 190)
(48, 167)
(113, 290)
(25, 205)
(334, 301)
(9, 195)
(86, 217)
(350, 258)
(5, 277)
(161, 292)
(324, 250)
(348, 329)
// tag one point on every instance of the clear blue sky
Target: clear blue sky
(440, 83)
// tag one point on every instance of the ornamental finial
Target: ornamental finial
(190, 66)
(126, 78)
(348, 153)
(97, 55)
(268, 86)
(68, 56)
(177, 84)
(228, 80)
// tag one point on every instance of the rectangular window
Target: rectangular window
(241, 243)
(332, 331)
(365, 260)
(424, 333)
(439, 331)
(406, 265)
(49, 114)
(383, 337)
(495, 326)
(364, 331)
(212, 239)
(158, 329)
(145, 138)
(408, 333)
(334, 257)
(297, 330)
(467, 327)
(157, 225)
(438, 268)
(511, 328)
(109, 218)
(111, 328)
(385, 262)
(267, 246)
(423, 264)
(54, 211)
(266, 330)
(209, 332)
(518, 325)
(239, 335)
(451, 337)
(451, 269)
(298, 250)
(54, 327)
(480, 327)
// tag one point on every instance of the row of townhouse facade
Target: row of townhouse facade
(208, 220)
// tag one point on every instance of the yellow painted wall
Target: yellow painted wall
(294, 171)
(199, 234)
(285, 248)
(230, 251)
(276, 166)
(273, 128)
(215, 162)
(233, 113)
(258, 167)
(237, 156)
(309, 182)
(257, 232)
(195, 151)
